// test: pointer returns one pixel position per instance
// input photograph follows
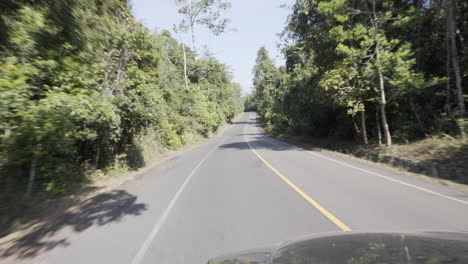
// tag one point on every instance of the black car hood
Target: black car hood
(361, 247)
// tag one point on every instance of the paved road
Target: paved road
(227, 195)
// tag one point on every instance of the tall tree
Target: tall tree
(452, 32)
(390, 59)
(350, 84)
(176, 30)
(208, 13)
(265, 81)
(346, 56)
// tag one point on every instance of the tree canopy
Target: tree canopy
(83, 85)
(370, 70)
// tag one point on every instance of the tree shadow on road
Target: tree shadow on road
(244, 123)
(99, 210)
(258, 142)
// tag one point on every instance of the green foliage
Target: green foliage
(249, 102)
(267, 83)
(332, 71)
(55, 189)
(82, 84)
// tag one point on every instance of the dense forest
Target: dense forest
(83, 87)
(376, 71)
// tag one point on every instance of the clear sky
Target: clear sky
(257, 23)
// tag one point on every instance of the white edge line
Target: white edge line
(375, 174)
(157, 226)
(370, 172)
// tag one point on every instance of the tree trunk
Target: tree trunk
(454, 56)
(192, 28)
(383, 100)
(32, 176)
(5, 142)
(377, 122)
(96, 161)
(185, 66)
(185, 57)
(192, 25)
(355, 126)
(448, 109)
(388, 138)
(383, 103)
(116, 161)
(363, 127)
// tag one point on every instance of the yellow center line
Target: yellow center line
(321, 209)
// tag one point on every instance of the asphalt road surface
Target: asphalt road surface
(241, 190)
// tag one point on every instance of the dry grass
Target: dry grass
(445, 150)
